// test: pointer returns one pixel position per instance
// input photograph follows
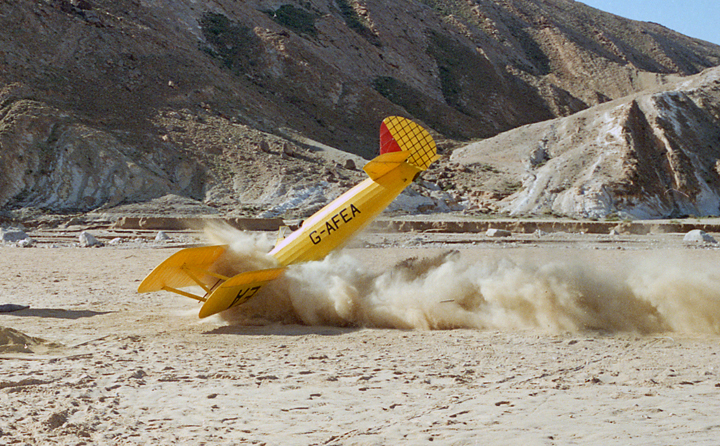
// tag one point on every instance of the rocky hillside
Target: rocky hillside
(649, 155)
(105, 102)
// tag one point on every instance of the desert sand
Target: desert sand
(558, 339)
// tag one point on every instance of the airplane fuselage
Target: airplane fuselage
(336, 223)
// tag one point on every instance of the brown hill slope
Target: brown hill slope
(104, 102)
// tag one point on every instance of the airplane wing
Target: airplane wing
(187, 267)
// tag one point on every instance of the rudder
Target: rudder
(401, 134)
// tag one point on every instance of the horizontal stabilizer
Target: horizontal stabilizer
(186, 267)
(384, 164)
(237, 290)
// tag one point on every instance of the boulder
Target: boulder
(26, 243)
(12, 235)
(288, 150)
(498, 233)
(263, 146)
(162, 237)
(88, 240)
(698, 236)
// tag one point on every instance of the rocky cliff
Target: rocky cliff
(649, 155)
(105, 102)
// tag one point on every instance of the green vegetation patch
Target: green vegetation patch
(519, 30)
(484, 167)
(532, 50)
(449, 7)
(298, 20)
(352, 19)
(454, 61)
(414, 101)
(355, 22)
(232, 44)
(402, 94)
(510, 187)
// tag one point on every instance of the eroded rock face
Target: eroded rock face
(52, 161)
(649, 155)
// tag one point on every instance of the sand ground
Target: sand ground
(143, 369)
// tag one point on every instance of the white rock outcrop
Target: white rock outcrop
(162, 237)
(52, 162)
(650, 155)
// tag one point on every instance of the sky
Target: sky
(694, 18)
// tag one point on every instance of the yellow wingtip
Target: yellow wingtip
(170, 271)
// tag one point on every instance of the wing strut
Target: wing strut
(184, 293)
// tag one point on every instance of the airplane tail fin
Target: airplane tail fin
(194, 267)
(399, 134)
(402, 141)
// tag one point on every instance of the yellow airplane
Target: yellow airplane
(406, 149)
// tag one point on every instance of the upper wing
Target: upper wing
(186, 267)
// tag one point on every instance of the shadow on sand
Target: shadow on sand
(57, 313)
(281, 330)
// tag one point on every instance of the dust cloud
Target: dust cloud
(448, 292)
